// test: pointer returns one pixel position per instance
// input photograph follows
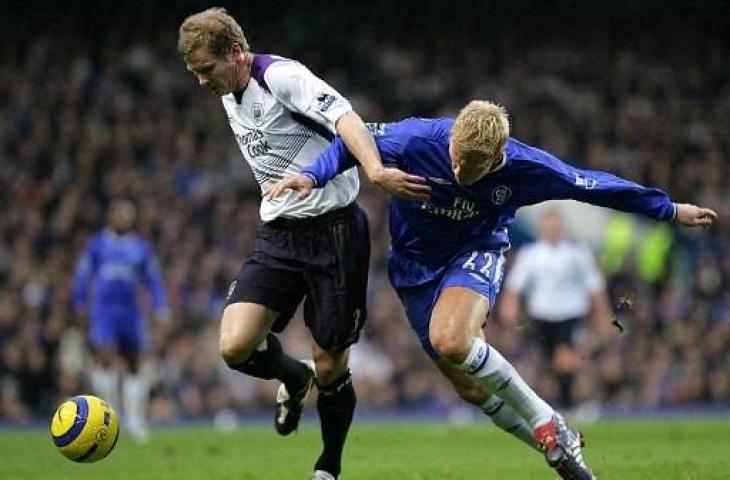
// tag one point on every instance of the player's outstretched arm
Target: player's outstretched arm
(402, 184)
(300, 183)
(362, 146)
(694, 216)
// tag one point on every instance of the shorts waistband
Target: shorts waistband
(313, 221)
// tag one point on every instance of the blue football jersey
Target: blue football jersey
(427, 235)
(111, 270)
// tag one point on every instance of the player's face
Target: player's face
(551, 227)
(468, 169)
(122, 216)
(219, 74)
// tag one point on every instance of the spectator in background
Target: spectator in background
(108, 274)
(561, 285)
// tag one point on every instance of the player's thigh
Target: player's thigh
(458, 315)
(244, 327)
(329, 366)
(467, 291)
(106, 354)
(133, 340)
(337, 278)
(462, 383)
(263, 297)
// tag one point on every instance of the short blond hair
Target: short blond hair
(213, 28)
(481, 130)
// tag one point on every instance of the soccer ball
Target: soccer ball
(85, 428)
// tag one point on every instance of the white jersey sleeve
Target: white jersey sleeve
(295, 86)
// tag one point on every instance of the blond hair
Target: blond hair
(213, 28)
(481, 130)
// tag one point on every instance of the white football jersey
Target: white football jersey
(557, 280)
(282, 121)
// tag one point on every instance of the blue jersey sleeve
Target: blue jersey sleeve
(337, 158)
(334, 160)
(153, 279)
(82, 276)
(555, 180)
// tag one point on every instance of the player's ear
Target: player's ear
(236, 50)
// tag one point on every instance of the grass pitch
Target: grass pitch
(625, 450)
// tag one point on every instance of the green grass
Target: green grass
(626, 450)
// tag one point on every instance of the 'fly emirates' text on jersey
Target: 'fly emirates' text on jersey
(457, 218)
(282, 120)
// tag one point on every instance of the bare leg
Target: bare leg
(498, 411)
(456, 334)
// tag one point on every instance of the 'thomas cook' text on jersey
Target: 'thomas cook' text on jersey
(427, 235)
(282, 120)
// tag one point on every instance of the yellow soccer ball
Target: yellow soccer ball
(85, 428)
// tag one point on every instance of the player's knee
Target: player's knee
(329, 368)
(453, 346)
(565, 359)
(232, 351)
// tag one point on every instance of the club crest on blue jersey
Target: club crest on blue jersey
(501, 194)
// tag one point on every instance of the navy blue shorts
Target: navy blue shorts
(478, 270)
(121, 328)
(323, 260)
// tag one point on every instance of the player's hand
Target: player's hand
(694, 216)
(301, 184)
(402, 184)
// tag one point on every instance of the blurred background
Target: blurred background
(95, 103)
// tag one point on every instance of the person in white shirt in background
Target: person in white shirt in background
(561, 286)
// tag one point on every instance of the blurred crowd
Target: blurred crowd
(85, 118)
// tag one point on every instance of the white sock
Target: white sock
(136, 392)
(489, 369)
(105, 384)
(508, 420)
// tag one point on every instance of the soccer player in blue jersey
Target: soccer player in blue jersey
(113, 266)
(447, 255)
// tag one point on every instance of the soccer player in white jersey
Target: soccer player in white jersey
(283, 117)
(562, 285)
